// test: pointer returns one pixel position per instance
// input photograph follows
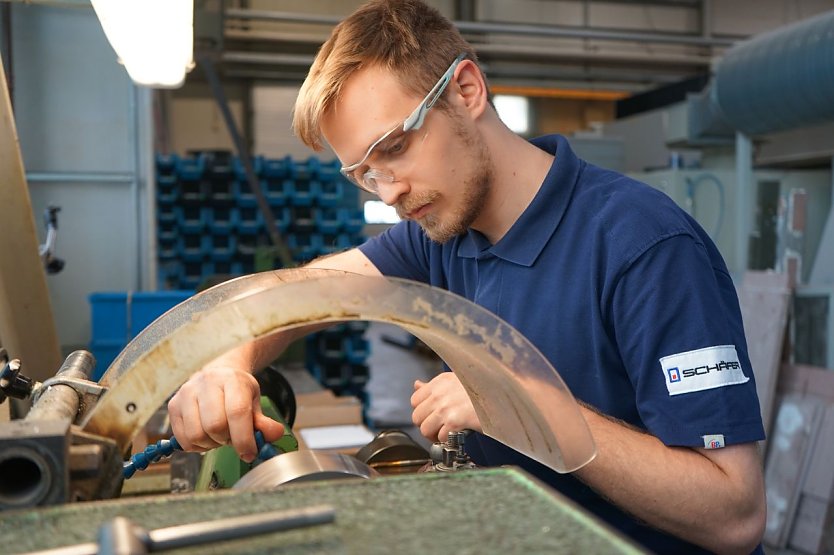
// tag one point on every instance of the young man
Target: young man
(621, 290)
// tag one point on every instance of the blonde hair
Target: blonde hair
(412, 40)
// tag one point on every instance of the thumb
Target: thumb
(271, 429)
(418, 384)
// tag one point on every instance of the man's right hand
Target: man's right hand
(218, 406)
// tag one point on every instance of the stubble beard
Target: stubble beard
(474, 192)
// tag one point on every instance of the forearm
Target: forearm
(675, 489)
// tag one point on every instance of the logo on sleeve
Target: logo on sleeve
(714, 441)
(702, 369)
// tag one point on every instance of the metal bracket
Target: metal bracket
(84, 388)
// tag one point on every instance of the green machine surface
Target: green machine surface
(222, 467)
(500, 510)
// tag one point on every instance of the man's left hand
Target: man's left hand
(442, 406)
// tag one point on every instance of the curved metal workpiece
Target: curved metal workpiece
(520, 399)
(303, 466)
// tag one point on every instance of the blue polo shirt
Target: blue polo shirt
(611, 280)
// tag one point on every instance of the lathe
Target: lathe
(62, 466)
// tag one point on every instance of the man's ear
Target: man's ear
(471, 88)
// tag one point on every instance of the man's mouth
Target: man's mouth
(418, 212)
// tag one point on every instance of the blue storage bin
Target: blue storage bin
(304, 246)
(353, 221)
(167, 191)
(191, 169)
(217, 267)
(221, 190)
(109, 317)
(279, 168)
(222, 219)
(240, 172)
(166, 213)
(305, 193)
(249, 220)
(302, 219)
(105, 352)
(192, 247)
(244, 197)
(191, 219)
(278, 192)
(327, 220)
(330, 192)
(221, 248)
(283, 218)
(357, 349)
(167, 230)
(166, 163)
(147, 306)
(167, 249)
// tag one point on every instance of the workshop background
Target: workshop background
(725, 105)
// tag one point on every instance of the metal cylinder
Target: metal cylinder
(61, 401)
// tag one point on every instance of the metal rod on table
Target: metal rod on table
(186, 535)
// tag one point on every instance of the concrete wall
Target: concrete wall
(85, 148)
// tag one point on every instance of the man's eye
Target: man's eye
(396, 147)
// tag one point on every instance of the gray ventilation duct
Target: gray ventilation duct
(778, 80)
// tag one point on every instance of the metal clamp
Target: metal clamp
(85, 388)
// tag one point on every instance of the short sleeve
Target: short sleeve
(400, 251)
(679, 331)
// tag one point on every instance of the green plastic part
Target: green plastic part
(222, 468)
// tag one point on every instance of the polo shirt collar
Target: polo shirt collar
(528, 236)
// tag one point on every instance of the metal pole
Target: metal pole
(243, 153)
(744, 200)
(78, 177)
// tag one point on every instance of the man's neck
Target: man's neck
(519, 170)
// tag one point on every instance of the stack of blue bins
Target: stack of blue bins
(209, 223)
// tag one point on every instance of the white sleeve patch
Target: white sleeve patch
(702, 369)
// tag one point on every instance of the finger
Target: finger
(418, 384)
(212, 416)
(240, 406)
(420, 394)
(271, 429)
(431, 426)
(420, 413)
(193, 436)
(443, 434)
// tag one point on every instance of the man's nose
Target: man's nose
(391, 191)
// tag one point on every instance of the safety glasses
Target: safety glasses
(397, 139)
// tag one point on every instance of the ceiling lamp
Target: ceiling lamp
(154, 39)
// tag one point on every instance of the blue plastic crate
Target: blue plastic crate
(221, 190)
(166, 163)
(222, 219)
(147, 306)
(240, 172)
(244, 197)
(191, 219)
(278, 192)
(330, 193)
(104, 352)
(191, 169)
(305, 192)
(279, 168)
(167, 249)
(192, 247)
(328, 220)
(221, 248)
(109, 317)
(303, 219)
(249, 220)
